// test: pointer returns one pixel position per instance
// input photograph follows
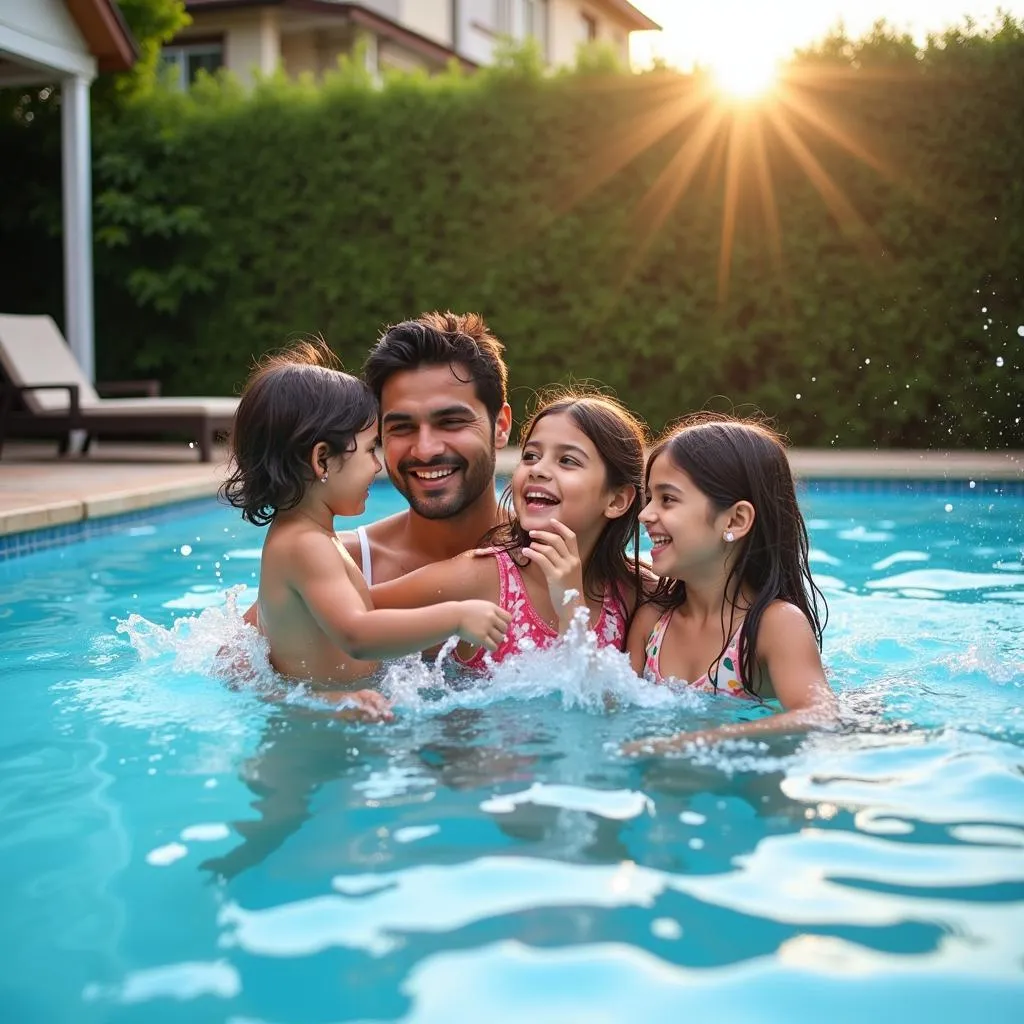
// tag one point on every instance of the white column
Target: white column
(76, 148)
(270, 41)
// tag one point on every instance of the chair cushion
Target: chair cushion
(33, 351)
(216, 408)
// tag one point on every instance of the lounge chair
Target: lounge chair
(56, 398)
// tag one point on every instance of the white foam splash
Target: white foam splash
(182, 981)
(412, 833)
(583, 674)
(164, 855)
(616, 805)
(206, 833)
(946, 580)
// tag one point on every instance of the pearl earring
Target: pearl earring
(729, 536)
(323, 479)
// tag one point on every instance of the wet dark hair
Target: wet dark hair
(619, 438)
(731, 460)
(292, 401)
(442, 339)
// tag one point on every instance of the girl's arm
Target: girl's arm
(321, 578)
(788, 652)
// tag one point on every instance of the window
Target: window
(588, 27)
(535, 22)
(521, 18)
(189, 58)
(503, 17)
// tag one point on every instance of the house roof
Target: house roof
(105, 33)
(356, 13)
(637, 20)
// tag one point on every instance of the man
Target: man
(440, 382)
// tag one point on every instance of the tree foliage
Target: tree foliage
(848, 258)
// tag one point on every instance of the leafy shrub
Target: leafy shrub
(848, 257)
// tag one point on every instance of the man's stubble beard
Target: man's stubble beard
(477, 477)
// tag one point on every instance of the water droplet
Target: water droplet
(949, 508)
(186, 549)
(666, 928)
(798, 394)
(973, 485)
(999, 360)
(984, 309)
(1020, 330)
(867, 361)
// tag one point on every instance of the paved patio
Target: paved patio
(38, 489)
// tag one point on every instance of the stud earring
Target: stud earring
(729, 536)
(323, 479)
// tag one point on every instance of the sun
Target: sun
(744, 76)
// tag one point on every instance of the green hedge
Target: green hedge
(227, 223)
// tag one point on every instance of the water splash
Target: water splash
(575, 669)
(217, 643)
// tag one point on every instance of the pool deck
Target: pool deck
(38, 489)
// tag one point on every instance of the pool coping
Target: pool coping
(103, 500)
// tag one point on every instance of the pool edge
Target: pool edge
(61, 521)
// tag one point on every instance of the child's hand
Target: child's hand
(369, 705)
(558, 557)
(483, 623)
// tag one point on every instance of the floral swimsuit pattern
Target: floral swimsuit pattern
(528, 630)
(728, 673)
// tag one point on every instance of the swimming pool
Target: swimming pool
(172, 850)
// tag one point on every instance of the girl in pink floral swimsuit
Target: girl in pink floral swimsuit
(571, 515)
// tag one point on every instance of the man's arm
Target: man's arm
(462, 578)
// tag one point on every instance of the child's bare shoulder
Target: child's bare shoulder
(782, 620)
(644, 620)
(302, 543)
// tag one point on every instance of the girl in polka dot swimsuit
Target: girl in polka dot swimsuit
(736, 610)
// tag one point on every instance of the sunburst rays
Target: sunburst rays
(727, 143)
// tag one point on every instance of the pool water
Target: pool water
(175, 850)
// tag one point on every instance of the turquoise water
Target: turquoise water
(174, 850)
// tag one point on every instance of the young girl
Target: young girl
(573, 513)
(736, 611)
(303, 452)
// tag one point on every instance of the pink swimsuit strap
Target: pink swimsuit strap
(528, 625)
(727, 673)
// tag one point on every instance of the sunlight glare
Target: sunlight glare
(744, 76)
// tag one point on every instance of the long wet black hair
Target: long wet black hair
(619, 438)
(731, 460)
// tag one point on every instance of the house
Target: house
(260, 36)
(66, 43)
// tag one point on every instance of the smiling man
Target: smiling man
(440, 381)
